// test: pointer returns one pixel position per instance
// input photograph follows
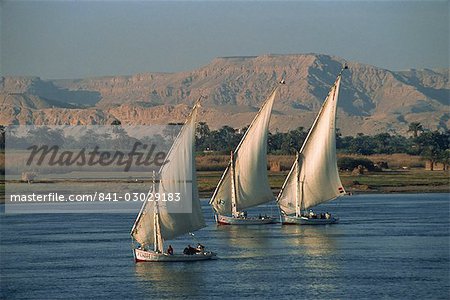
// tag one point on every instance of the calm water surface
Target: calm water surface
(386, 246)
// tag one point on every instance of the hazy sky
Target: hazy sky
(75, 39)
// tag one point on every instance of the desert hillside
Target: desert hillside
(372, 99)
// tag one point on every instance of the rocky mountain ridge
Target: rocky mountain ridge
(371, 100)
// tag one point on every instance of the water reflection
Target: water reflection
(170, 279)
(247, 241)
(315, 241)
(315, 250)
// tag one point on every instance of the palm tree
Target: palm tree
(2, 136)
(415, 127)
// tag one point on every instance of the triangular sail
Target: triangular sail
(251, 178)
(177, 175)
(318, 177)
(287, 199)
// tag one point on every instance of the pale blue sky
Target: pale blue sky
(76, 39)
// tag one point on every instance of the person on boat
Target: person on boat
(189, 250)
(311, 214)
(200, 248)
(170, 250)
(243, 215)
(327, 215)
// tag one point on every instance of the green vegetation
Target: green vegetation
(375, 182)
(397, 181)
(431, 145)
(401, 159)
(348, 163)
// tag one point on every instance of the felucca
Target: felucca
(245, 182)
(314, 177)
(176, 182)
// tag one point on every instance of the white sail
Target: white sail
(314, 177)
(250, 169)
(177, 175)
(287, 199)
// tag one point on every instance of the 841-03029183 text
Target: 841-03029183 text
(92, 197)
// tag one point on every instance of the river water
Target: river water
(386, 246)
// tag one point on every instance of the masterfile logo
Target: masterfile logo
(89, 168)
(56, 156)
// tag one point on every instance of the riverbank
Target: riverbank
(392, 181)
(398, 181)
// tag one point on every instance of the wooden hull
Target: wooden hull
(151, 256)
(226, 220)
(294, 220)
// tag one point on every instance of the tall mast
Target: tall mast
(158, 247)
(233, 187)
(156, 226)
(297, 184)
